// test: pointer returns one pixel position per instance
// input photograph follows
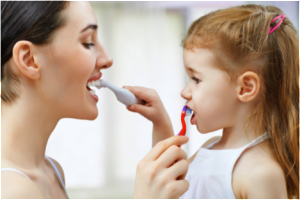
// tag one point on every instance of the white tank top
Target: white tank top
(210, 173)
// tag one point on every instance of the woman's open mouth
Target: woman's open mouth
(92, 83)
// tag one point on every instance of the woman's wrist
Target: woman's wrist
(161, 131)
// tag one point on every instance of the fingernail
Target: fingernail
(185, 137)
(131, 107)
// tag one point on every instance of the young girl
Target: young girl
(243, 68)
(49, 52)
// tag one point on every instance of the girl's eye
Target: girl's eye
(195, 79)
(88, 45)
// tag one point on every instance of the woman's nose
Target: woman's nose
(104, 60)
(186, 93)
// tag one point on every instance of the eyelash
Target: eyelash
(88, 45)
(195, 79)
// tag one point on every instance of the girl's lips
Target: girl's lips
(193, 118)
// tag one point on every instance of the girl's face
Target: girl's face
(209, 92)
(74, 57)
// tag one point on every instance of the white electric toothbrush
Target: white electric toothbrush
(124, 96)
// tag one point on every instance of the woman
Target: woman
(50, 51)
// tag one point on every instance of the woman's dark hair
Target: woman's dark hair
(34, 21)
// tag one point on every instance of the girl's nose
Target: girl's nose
(186, 93)
(104, 60)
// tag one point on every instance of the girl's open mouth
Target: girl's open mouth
(193, 118)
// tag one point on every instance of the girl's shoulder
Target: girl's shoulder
(258, 175)
(206, 144)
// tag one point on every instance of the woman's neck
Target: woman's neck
(26, 126)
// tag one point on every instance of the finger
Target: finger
(179, 170)
(163, 145)
(171, 155)
(143, 93)
(178, 188)
(141, 109)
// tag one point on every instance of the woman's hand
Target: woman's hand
(153, 110)
(160, 174)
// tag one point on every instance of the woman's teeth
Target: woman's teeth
(92, 92)
(93, 83)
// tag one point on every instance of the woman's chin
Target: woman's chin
(90, 113)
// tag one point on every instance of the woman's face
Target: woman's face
(74, 57)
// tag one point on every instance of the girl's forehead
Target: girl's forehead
(198, 58)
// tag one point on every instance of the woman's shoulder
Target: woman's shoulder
(60, 169)
(17, 186)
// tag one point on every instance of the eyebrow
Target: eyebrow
(90, 26)
(193, 70)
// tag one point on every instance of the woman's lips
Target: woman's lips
(95, 77)
(95, 97)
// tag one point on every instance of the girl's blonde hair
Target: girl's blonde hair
(238, 36)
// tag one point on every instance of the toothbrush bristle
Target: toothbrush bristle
(188, 112)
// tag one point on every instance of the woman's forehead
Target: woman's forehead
(78, 15)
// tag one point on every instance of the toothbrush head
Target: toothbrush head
(188, 112)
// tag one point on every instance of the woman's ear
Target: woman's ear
(248, 86)
(23, 56)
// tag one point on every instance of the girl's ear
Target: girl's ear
(23, 58)
(248, 86)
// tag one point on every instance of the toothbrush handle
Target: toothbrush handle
(123, 95)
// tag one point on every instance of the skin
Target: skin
(219, 103)
(53, 86)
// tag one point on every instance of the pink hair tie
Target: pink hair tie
(271, 30)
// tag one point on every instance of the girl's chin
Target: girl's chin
(203, 130)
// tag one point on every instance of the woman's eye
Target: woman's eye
(195, 79)
(88, 45)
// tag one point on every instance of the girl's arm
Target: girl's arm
(154, 111)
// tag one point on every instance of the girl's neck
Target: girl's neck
(26, 127)
(237, 136)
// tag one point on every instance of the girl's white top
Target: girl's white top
(210, 173)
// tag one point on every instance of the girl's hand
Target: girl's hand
(160, 174)
(153, 110)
